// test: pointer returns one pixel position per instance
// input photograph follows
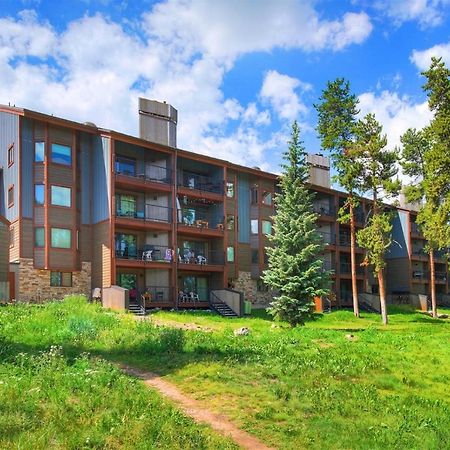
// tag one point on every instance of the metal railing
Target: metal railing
(156, 294)
(415, 228)
(419, 252)
(186, 297)
(148, 253)
(153, 213)
(200, 218)
(200, 182)
(346, 267)
(144, 172)
(328, 266)
(201, 257)
(324, 210)
(328, 238)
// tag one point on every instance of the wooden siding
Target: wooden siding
(60, 175)
(85, 243)
(60, 135)
(39, 258)
(4, 252)
(14, 252)
(27, 238)
(244, 257)
(39, 216)
(101, 255)
(38, 173)
(26, 164)
(60, 259)
(61, 217)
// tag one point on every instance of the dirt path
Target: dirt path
(175, 324)
(192, 408)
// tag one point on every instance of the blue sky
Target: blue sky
(238, 71)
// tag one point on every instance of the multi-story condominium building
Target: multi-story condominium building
(91, 208)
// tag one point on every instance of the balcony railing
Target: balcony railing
(201, 258)
(199, 182)
(324, 210)
(191, 297)
(148, 253)
(144, 172)
(346, 268)
(328, 266)
(199, 218)
(419, 252)
(153, 213)
(155, 294)
(328, 238)
(425, 275)
(415, 228)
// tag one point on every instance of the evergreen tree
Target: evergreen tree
(379, 167)
(337, 111)
(426, 158)
(295, 268)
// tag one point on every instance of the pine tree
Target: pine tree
(379, 167)
(295, 268)
(426, 158)
(337, 113)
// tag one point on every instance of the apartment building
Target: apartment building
(91, 208)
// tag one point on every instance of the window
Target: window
(230, 222)
(61, 279)
(61, 154)
(11, 237)
(254, 195)
(255, 257)
(230, 254)
(267, 198)
(254, 226)
(126, 245)
(39, 237)
(39, 194)
(126, 166)
(10, 196)
(11, 155)
(230, 189)
(126, 205)
(61, 238)
(39, 152)
(266, 226)
(61, 196)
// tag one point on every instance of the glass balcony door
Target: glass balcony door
(125, 166)
(126, 246)
(126, 205)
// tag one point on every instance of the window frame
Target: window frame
(12, 236)
(58, 186)
(252, 221)
(59, 162)
(267, 194)
(231, 220)
(58, 247)
(60, 277)
(231, 252)
(262, 227)
(11, 155)
(35, 153)
(35, 237)
(230, 184)
(35, 197)
(10, 194)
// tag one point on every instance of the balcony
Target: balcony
(194, 221)
(324, 210)
(201, 260)
(197, 182)
(415, 229)
(140, 174)
(328, 238)
(346, 269)
(148, 255)
(154, 216)
(328, 266)
(420, 252)
(344, 241)
(198, 298)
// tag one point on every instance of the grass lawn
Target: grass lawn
(310, 387)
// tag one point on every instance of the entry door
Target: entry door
(129, 281)
(12, 285)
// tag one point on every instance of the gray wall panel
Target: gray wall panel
(243, 208)
(86, 168)
(9, 134)
(101, 168)
(27, 194)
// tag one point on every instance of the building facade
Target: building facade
(90, 208)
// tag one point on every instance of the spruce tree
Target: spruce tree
(295, 269)
(337, 111)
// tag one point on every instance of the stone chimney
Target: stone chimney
(158, 122)
(319, 170)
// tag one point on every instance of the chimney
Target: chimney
(158, 122)
(319, 169)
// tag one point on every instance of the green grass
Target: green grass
(309, 387)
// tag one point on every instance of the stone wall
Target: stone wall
(246, 284)
(34, 284)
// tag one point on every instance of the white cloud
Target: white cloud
(428, 13)
(180, 51)
(395, 113)
(422, 58)
(280, 92)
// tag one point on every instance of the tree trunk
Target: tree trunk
(433, 285)
(382, 290)
(353, 261)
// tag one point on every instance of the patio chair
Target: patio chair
(147, 255)
(201, 260)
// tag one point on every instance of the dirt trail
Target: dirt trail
(192, 408)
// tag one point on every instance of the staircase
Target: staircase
(136, 309)
(220, 307)
(367, 307)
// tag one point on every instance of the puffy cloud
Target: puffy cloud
(279, 91)
(396, 113)
(428, 13)
(422, 58)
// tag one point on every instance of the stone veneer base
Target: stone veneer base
(246, 284)
(34, 284)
